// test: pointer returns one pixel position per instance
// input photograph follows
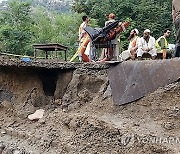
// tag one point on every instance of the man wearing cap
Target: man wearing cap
(146, 44)
(176, 20)
(133, 46)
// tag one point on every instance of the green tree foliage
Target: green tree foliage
(22, 25)
(51, 27)
(152, 14)
(15, 27)
(60, 6)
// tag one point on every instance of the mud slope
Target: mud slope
(80, 116)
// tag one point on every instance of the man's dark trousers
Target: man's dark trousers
(177, 26)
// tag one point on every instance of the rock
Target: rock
(66, 121)
(37, 115)
(3, 132)
(74, 106)
(65, 109)
(16, 152)
(107, 93)
(6, 104)
(42, 120)
(169, 125)
(58, 102)
(2, 146)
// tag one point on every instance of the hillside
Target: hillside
(51, 5)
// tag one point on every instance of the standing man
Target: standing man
(146, 44)
(176, 20)
(162, 43)
(82, 33)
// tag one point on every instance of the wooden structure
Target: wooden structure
(106, 45)
(50, 47)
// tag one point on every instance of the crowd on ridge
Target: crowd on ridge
(138, 46)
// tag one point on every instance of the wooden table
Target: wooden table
(50, 47)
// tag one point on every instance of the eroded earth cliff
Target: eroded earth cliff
(80, 116)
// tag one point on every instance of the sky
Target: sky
(1, 1)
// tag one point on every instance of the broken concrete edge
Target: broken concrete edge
(52, 64)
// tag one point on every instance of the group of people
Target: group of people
(138, 46)
(107, 54)
(146, 44)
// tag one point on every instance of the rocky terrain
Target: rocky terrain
(80, 116)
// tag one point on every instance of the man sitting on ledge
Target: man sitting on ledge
(162, 43)
(146, 44)
(133, 46)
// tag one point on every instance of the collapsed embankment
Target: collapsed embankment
(80, 116)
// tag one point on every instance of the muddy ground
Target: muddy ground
(80, 116)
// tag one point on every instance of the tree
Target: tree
(52, 27)
(15, 27)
